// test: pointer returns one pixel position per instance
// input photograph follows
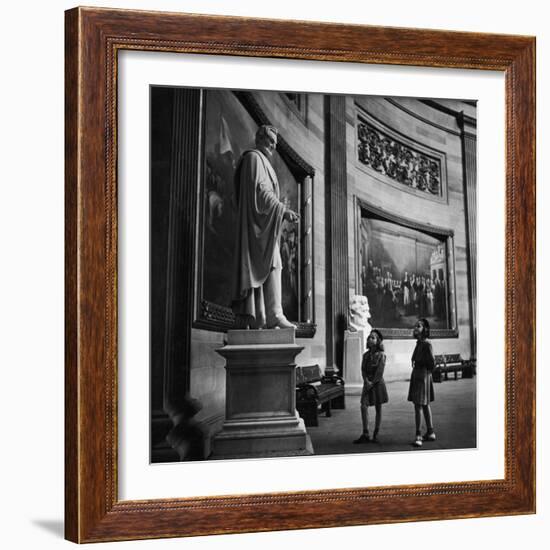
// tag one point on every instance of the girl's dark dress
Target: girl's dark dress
(372, 368)
(421, 387)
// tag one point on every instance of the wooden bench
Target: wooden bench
(314, 390)
(453, 363)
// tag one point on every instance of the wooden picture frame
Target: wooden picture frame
(93, 510)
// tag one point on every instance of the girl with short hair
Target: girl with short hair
(374, 388)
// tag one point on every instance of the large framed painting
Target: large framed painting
(406, 270)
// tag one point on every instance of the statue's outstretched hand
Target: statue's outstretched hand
(290, 216)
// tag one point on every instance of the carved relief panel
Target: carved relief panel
(399, 161)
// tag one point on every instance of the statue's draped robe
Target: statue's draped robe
(259, 224)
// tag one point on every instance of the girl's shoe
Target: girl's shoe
(363, 438)
(430, 436)
(418, 441)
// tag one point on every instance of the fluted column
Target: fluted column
(337, 282)
(181, 239)
(469, 147)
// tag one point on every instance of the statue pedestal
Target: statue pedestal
(261, 418)
(354, 347)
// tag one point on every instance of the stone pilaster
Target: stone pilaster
(181, 245)
(337, 282)
(469, 152)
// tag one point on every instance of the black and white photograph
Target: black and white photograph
(313, 274)
(274, 274)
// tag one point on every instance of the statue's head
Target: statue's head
(359, 311)
(266, 139)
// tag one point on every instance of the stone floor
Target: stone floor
(454, 416)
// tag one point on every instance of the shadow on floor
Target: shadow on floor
(55, 527)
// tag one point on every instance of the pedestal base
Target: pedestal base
(261, 418)
(354, 347)
(262, 438)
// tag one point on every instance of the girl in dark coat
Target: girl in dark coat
(421, 388)
(374, 387)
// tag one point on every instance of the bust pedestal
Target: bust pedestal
(261, 418)
(354, 347)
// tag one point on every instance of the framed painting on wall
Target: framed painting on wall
(407, 271)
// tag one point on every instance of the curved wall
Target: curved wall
(438, 131)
